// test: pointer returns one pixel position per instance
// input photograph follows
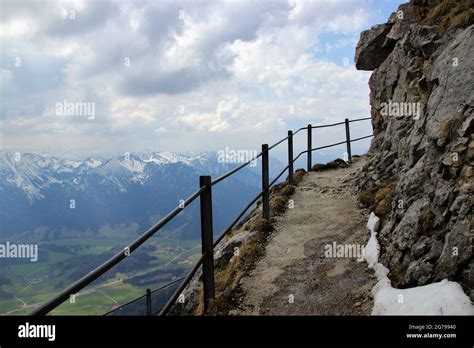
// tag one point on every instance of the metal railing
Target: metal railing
(208, 244)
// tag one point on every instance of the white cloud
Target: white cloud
(15, 27)
(211, 122)
(160, 130)
(234, 66)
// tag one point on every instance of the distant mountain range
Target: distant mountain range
(45, 197)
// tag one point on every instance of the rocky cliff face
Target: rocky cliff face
(420, 175)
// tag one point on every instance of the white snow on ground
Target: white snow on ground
(372, 249)
(444, 297)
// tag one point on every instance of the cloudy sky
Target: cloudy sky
(183, 76)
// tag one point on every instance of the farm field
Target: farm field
(24, 286)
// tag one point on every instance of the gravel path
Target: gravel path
(295, 277)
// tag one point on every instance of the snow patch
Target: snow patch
(92, 163)
(133, 165)
(372, 249)
(441, 298)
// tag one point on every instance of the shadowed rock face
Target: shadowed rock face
(422, 115)
(376, 44)
(373, 47)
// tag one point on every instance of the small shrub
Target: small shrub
(379, 199)
(287, 191)
(259, 225)
(278, 205)
(439, 11)
(318, 167)
(425, 221)
(336, 164)
(367, 198)
(298, 177)
(227, 279)
(463, 19)
(450, 13)
(449, 128)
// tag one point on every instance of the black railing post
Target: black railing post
(148, 302)
(207, 240)
(348, 141)
(290, 158)
(310, 145)
(265, 182)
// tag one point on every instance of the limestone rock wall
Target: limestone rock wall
(420, 173)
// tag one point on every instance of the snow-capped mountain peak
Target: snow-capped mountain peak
(33, 173)
(92, 162)
(166, 157)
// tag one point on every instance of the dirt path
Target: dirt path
(295, 277)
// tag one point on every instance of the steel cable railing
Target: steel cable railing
(357, 139)
(235, 170)
(328, 125)
(360, 119)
